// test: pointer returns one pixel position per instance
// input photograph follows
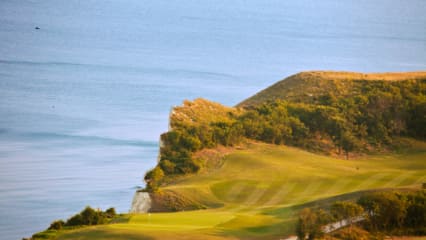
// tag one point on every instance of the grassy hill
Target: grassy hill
(256, 191)
(335, 113)
(243, 172)
(310, 86)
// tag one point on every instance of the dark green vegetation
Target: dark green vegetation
(398, 213)
(377, 214)
(87, 217)
(325, 112)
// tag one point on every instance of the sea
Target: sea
(86, 87)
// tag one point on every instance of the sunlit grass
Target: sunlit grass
(260, 188)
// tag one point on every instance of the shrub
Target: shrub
(56, 225)
(385, 210)
(153, 178)
(75, 220)
(92, 217)
(353, 234)
(346, 210)
(110, 213)
(88, 216)
(167, 166)
(310, 222)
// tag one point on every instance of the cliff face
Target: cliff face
(141, 202)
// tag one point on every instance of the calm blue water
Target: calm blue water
(84, 98)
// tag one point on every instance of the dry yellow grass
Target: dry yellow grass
(306, 86)
(387, 76)
(200, 111)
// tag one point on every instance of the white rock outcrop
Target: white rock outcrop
(141, 202)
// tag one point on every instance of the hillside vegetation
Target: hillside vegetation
(332, 113)
(310, 86)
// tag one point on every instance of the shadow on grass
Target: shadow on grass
(274, 231)
(287, 217)
(325, 203)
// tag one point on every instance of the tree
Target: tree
(75, 220)
(153, 177)
(189, 142)
(416, 215)
(417, 118)
(56, 225)
(110, 213)
(310, 222)
(167, 166)
(348, 142)
(298, 129)
(306, 223)
(386, 211)
(416, 210)
(347, 211)
(89, 216)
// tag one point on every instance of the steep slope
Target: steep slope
(310, 86)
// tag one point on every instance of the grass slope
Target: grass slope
(260, 187)
(307, 86)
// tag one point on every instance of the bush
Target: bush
(386, 211)
(92, 217)
(310, 222)
(167, 166)
(75, 220)
(353, 234)
(56, 225)
(153, 178)
(346, 210)
(396, 212)
(110, 213)
(88, 216)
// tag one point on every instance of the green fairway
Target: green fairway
(259, 188)
(267, 175)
